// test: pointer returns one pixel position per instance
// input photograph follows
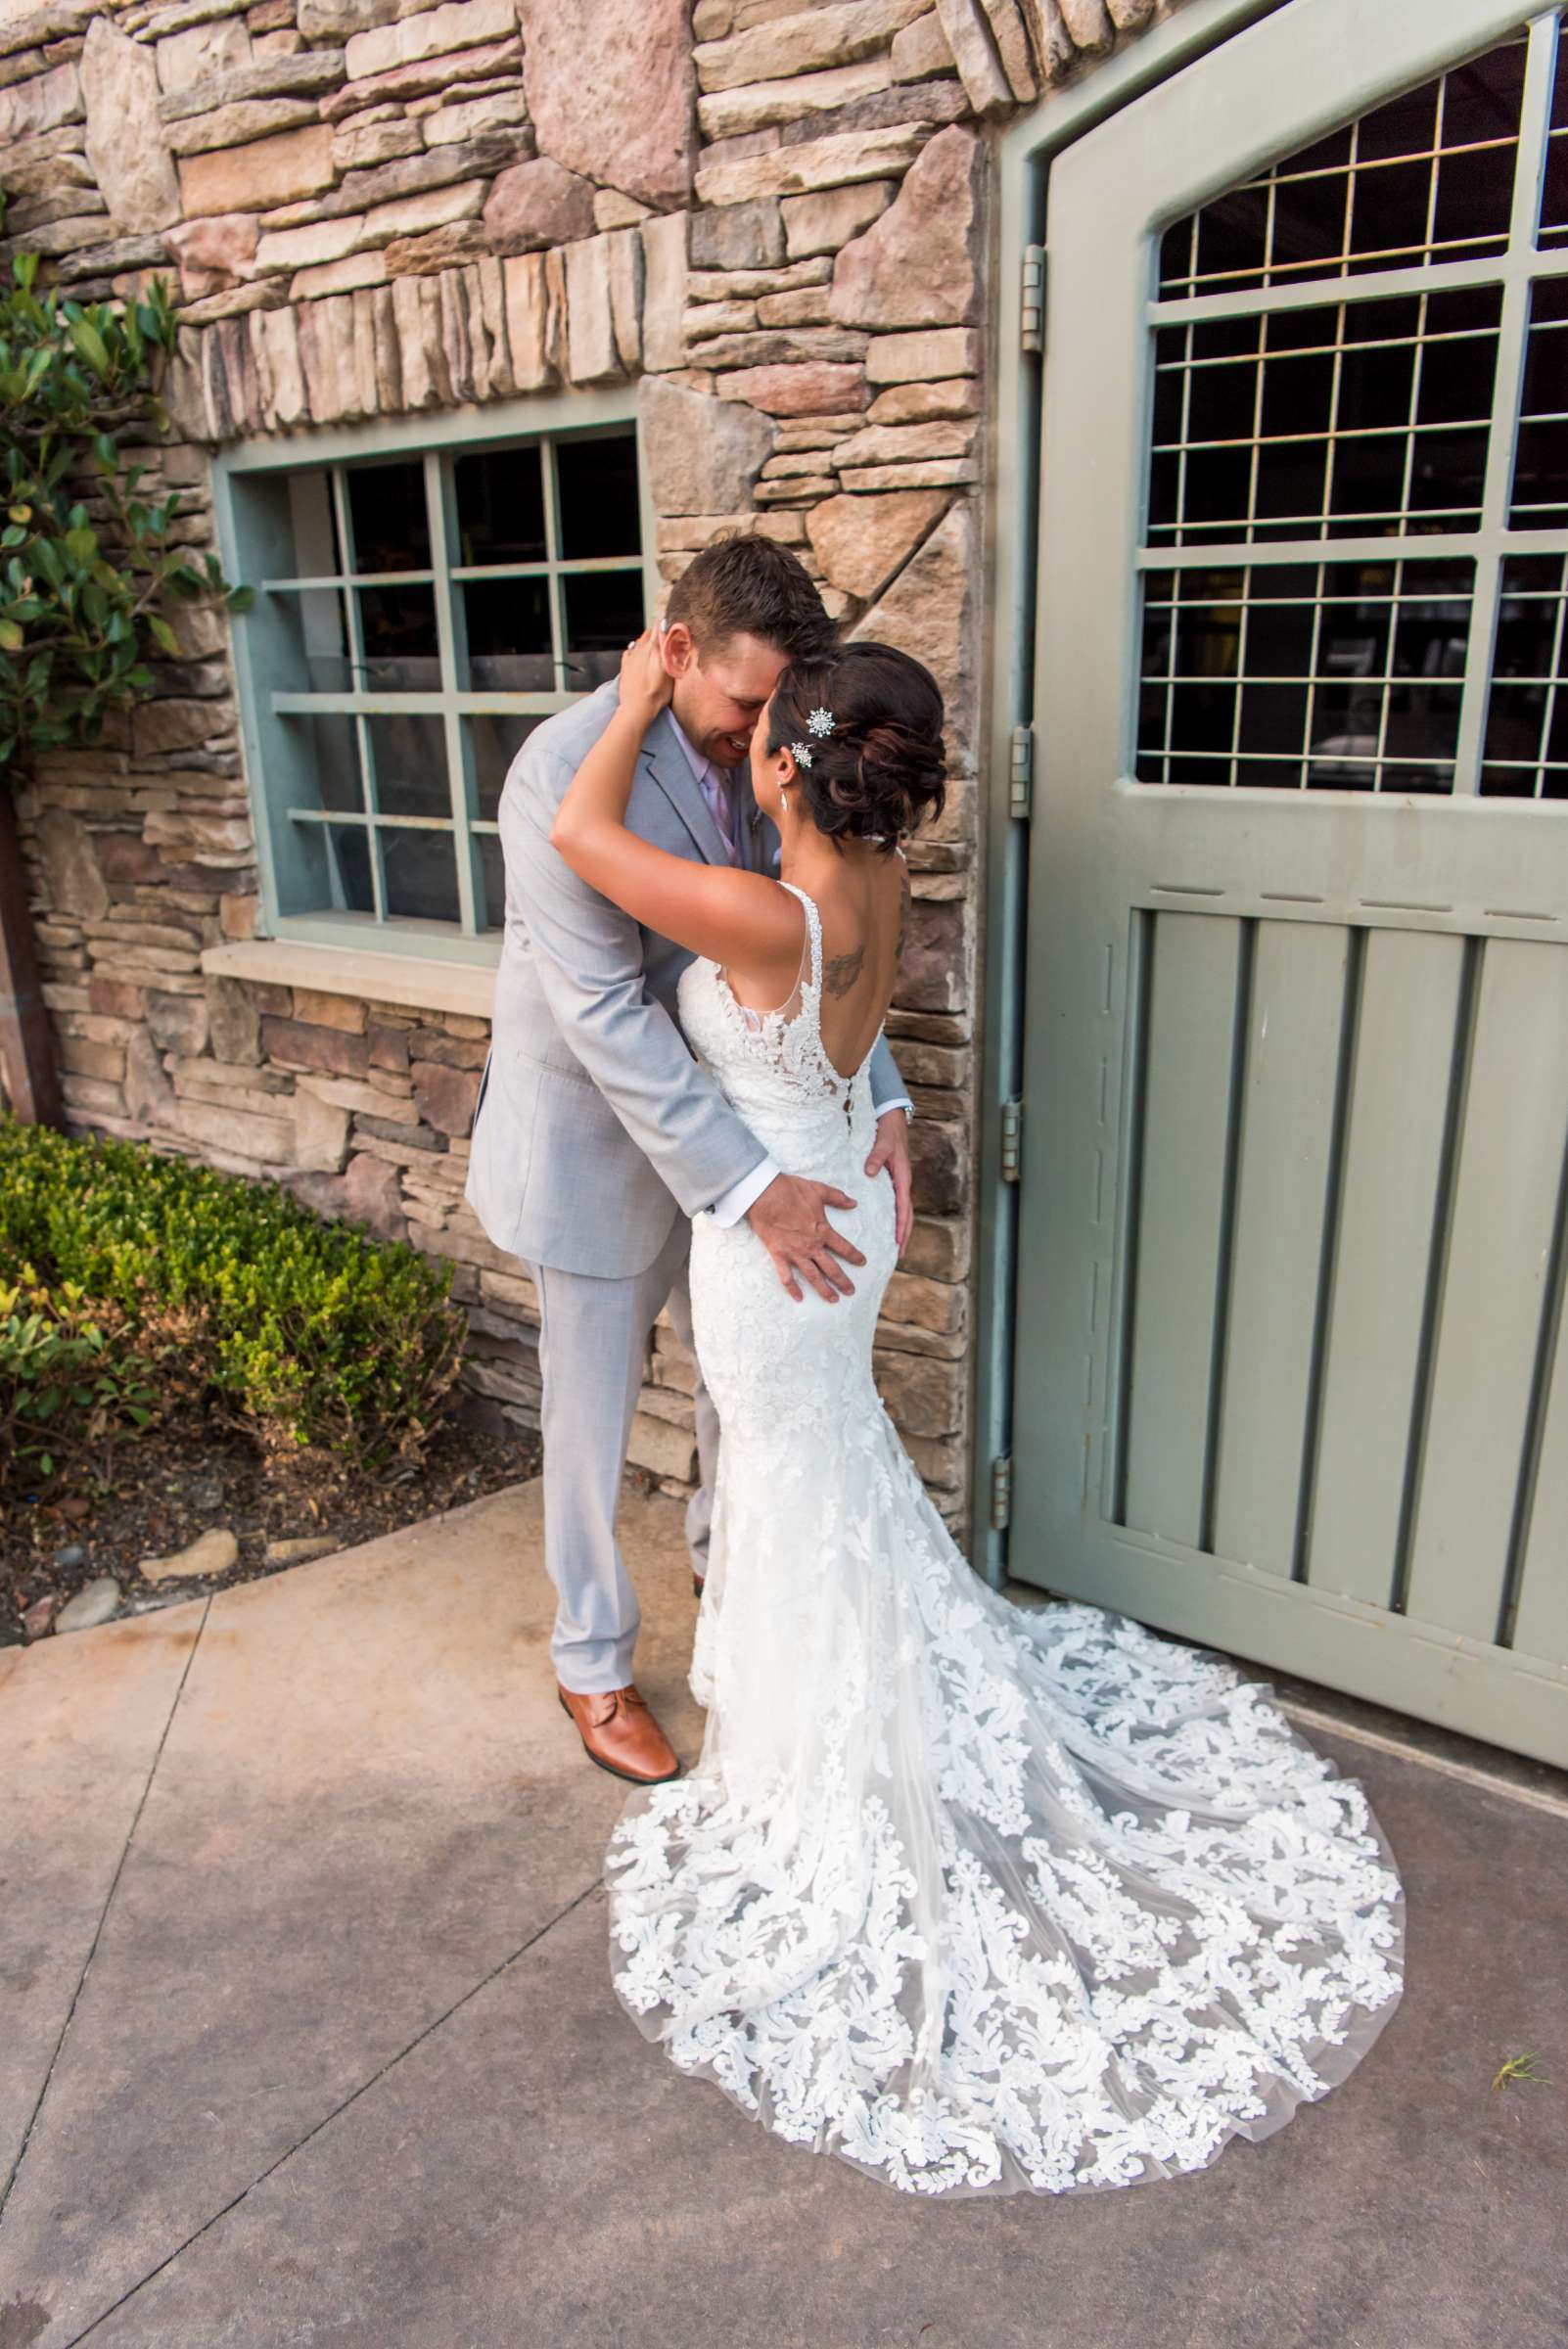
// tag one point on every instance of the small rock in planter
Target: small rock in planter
(73, 1554)
(212, 1553)
(95, 1603)
(39, 1618)
(297, 1549)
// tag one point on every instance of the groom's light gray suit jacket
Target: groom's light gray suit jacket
(596, 1128)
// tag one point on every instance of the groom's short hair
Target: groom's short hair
(751, 587)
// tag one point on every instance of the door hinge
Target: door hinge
(1012, 1140)
(1031, 299)
(1001, 1493)
(1021, 774)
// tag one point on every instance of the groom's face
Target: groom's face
(721, 691)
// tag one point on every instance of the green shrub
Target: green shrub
(84, 595)
(312, 1333)
(67, 1379)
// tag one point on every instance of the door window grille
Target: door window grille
(1357, 515)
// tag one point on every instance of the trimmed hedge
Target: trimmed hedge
(309, 1332)
(67, 1377)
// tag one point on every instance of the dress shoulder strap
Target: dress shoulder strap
(814, 931)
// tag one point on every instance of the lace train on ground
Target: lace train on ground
(981, 1900)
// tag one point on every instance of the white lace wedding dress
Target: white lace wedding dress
(979, 1899)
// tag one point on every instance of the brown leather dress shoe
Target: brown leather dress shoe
(621, 1736)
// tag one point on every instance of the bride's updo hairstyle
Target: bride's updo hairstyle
(882, 769)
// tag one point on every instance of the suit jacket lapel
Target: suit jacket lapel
(670, 769)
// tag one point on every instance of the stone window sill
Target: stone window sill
(416, 983)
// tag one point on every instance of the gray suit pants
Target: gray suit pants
(592, 1338)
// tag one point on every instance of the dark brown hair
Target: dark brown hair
(751, 586)
(882, 767)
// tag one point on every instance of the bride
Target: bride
(980, 1900)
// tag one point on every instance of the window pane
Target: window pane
(1526, 750)
(1554, 188)
(494, 870)
(494, 743)
(324, 764)
(348, 885)
(1233, 237)
(408, 757)
(1541, 457)
(501, 506)
(509, 647)
(596, 482)
(603, 614)
(398, 624)
(421, 872)
(309, 641)
(313, 525)
(387, 509)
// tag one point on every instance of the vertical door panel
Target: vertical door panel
(1403, 1057)
(1187, 1083)
(1287, 1123)
(1493, 1286)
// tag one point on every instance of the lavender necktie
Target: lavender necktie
(720, 807)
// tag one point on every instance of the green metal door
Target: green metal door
(1289, 1376)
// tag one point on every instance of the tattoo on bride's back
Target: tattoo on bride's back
(841, 971)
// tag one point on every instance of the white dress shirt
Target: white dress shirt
(720, 794)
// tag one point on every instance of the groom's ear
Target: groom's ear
(677, 648)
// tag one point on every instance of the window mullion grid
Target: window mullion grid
(357, 670)
(452, 647)
(1318, 293)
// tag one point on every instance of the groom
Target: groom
(598, 1137)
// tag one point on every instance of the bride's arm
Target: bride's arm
(748, 922)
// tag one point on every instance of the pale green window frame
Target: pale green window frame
(256, 551)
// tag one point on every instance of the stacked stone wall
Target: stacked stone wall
(773, 219)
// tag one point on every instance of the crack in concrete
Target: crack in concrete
(328, 2118)
(103, 1918)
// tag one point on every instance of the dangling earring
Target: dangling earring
(783, 801)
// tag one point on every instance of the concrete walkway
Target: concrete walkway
(306, 2031)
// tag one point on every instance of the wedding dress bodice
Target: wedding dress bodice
(980, 1900)
(773, 1068)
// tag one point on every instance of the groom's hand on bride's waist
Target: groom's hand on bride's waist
(790, 1218)
(891, 1149)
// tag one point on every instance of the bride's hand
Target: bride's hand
(645, 685)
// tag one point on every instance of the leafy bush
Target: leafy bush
(66, 1378)
(82, 608)
(312, 1333)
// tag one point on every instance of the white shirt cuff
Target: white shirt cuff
(899, 1101)
(729, 1207)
